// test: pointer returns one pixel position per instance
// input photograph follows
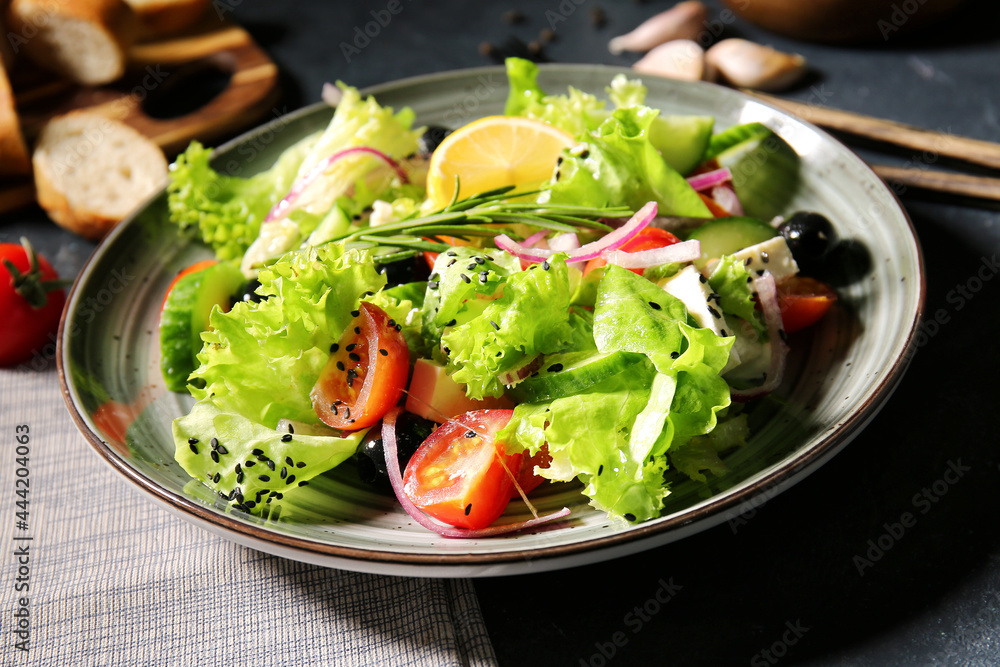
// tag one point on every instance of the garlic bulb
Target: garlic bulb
(683, 21)
(746, 64)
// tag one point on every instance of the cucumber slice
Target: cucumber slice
(185, 316)
(681, 140)
(571, 373)
(724, 236)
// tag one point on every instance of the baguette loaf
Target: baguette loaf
(91, 172)
(161, 17)
(83, 40)
(13, 151)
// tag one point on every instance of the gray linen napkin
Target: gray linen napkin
(115, 580)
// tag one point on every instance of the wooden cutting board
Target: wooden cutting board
(160, 74)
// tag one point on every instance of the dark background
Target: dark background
(931, 597)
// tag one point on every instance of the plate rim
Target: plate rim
(793, 468)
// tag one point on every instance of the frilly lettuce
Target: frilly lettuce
(731, 281)
(618, 165)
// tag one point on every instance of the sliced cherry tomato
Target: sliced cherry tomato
(526, 478)
(460, 475)
(31, 301)
(194, 268)
(648, 238)
(803, 301)
(366, 373)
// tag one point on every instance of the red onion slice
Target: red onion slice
(566, 242)
(610, 241)
(710, 179)
(686, 251)
(535, 238)
(726, 197)
(280, 209)
(768, 293)
(396, 479)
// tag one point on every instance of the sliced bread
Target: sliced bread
(13, 151)
(91, 172)
(83, 40)
(160, 17)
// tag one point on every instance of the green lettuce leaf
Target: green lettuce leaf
(735, 135)
(225, 210)
(618, 165)
(532, 317)
(245, 451)
(575, 112)
(703, 453)
(731, 281)
(284, 341)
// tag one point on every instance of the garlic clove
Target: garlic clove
(685, 20)
(746, 64)
(678, 59)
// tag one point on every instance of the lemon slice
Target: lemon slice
(493, 152)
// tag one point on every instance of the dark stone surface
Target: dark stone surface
(932, 596)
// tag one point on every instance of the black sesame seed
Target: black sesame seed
(357, 330)
(215, 456)
(748, 261)
(399, 328)
(291, 429)
(654, 305)
(304, 482)
(749, 279)
(702, 278)
(470, 434)
(288, 460)
(484, 276)
(264, 478)
(452, 262)
(284, 472)
(279, 496)
(629, 516)
(250, 504)
(723, 333)
(465, 278)
(340, 365)
(471, 267)
(585, 154)
(468, 509)
(333, 407)
(287, 437)
(760, 272)
(392, 323)
(222, 450)
(533, 266)
(446, 350)
(270, 464)
(600, 469)
(714, 312)
(239, 478)
(433, 284)
(355, 313)
(383, 352)
(452, 323)
(237, 469)
(291, 478)
(249, 464)
(192, 441)
(674, 355)
(334, 348)
(479, 260)
(300, 464)
(495, 325)
(350, 347)
(193, 449)
(353, 356)
(764, 257)
(452, 253)
(554, 368)
(545, 265)
(351, 421)
(214, 442)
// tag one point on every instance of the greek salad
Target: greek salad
(569, 292)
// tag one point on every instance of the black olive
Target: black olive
(409, 270)
(847, 262)
(809, 235)
(411, 431)
(432, 138)
(250, 292)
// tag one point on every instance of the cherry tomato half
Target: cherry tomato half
(648, 238)
(460, 475)
(526, 478)
(803, 301)
(366, 373)
(26, 328)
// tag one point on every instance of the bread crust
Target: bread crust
(40, 29)
(14, 159)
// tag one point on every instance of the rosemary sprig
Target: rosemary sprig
(466, 218)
